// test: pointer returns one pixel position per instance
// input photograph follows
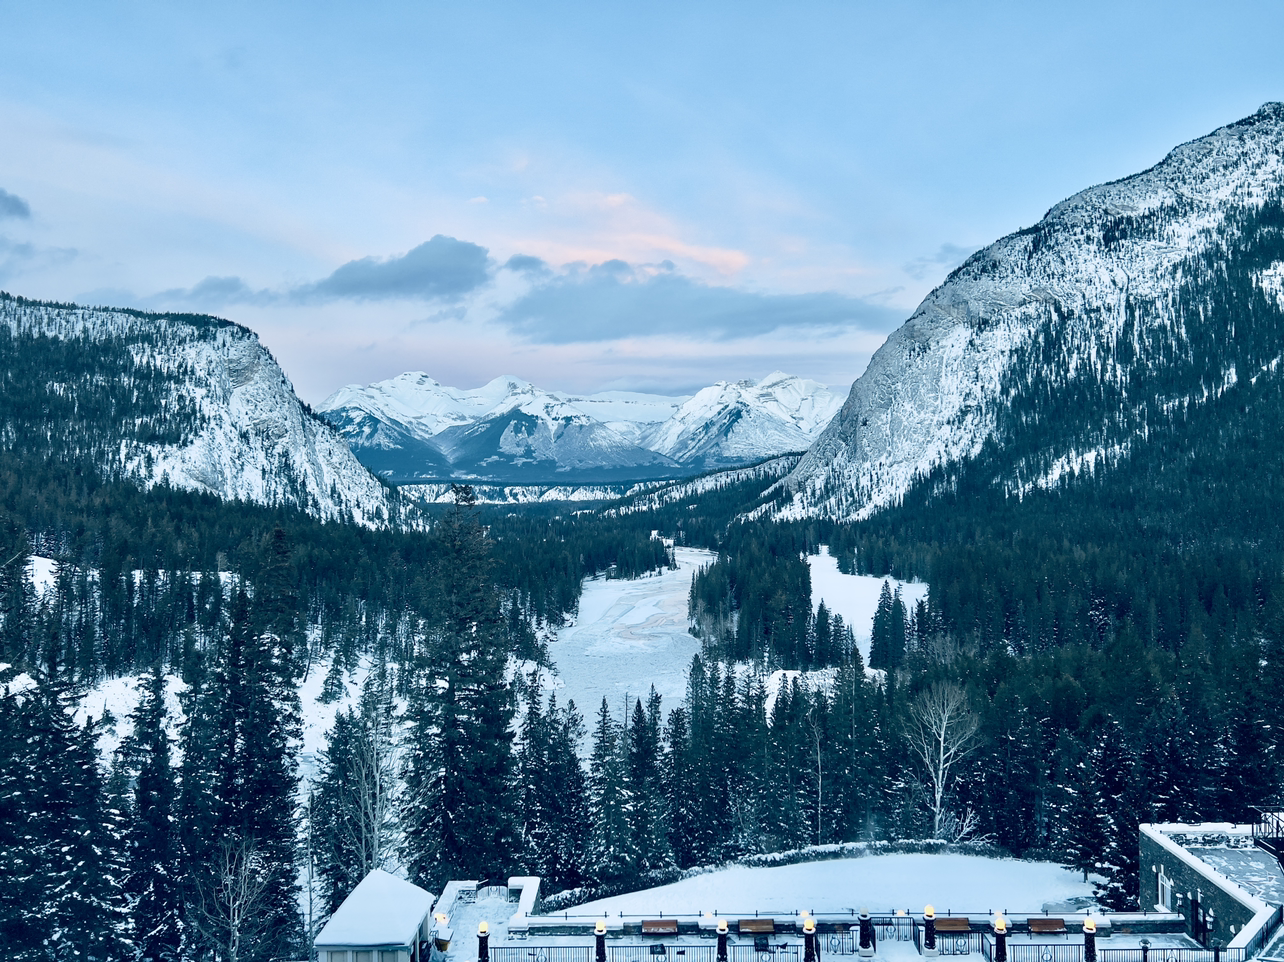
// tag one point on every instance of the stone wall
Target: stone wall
(1193, 882)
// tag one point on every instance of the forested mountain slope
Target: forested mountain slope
(1070, 343)
(191, 401)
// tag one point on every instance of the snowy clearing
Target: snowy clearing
(629, 635)
(971, 884)
(855, 596)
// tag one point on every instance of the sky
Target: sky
(590, 196)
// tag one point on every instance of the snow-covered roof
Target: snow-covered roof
(382, 910)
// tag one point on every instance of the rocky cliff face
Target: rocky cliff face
(1061, 343)
(191, 401)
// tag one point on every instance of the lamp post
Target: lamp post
(483, 941)
(1089, 940)
(929, 933)
(722, 940)
(867, 942)
(1000, 938)
(811, 951)
(599, 934)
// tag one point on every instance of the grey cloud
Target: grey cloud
(442, 267)
(947, 257)
(11, 205)
(17, 257)
(526, 264)
(613, 300)
(211, 293)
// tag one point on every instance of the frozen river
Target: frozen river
(629, 636)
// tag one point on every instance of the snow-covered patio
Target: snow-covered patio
(962, 884)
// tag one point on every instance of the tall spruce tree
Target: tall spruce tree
(612, 855)
(458, 808)
(152, 884)
(238, 797)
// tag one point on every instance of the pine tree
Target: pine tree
(458, 810)
(650, 813)
(881, 645)
(17, 601)
(612, 850)
(152, 884)
(354, 805)
(238, 797)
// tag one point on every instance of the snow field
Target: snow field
(630, 635)
(971, 884)
(855, 597)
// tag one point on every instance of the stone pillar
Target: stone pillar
(867, 939)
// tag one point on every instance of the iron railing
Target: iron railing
(1073, 952)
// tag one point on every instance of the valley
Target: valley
(1021, 594)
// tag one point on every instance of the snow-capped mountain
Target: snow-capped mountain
(411, 429)
(731, 423)
(192, 401)
(1063, 344)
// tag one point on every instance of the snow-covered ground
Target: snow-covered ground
(960, 884)
(629, 635)
(855, 596)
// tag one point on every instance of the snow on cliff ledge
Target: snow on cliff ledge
(931, 393)
(253, 439)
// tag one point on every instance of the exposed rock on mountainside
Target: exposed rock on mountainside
(1061, 344)
(189, 400)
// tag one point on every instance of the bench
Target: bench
(756, 926)
(1047, 926)
(954, 923)
(659, 926)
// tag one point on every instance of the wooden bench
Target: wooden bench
(756, 926)
(659, 926)
(953, 923)
(1047, 926)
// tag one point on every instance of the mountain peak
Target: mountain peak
(1101, 275)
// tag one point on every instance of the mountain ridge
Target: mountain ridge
(192, 401)
(1086, 302)
(411, 429)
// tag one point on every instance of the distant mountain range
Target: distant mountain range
(412, 429)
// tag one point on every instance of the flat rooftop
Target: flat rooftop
(1230, 850)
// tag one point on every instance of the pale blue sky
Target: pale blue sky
(591, 195)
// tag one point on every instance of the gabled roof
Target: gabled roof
(382, 910)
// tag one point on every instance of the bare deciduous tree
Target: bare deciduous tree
(229, 897)
(942, 732)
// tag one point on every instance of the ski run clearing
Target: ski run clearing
(971, 884)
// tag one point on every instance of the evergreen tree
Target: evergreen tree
(240, 837)
(458, 812)
(650, 811)
(881, 643)
(152, 884)
(612, 850)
